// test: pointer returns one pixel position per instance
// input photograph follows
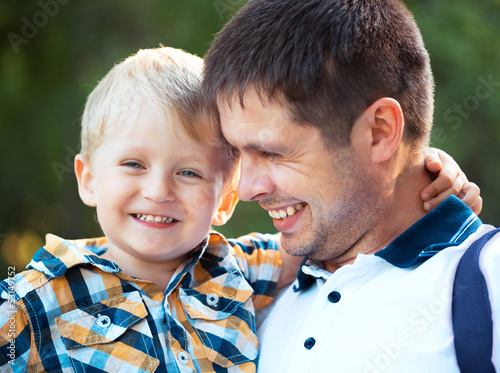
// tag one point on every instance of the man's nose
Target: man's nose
(255, 181)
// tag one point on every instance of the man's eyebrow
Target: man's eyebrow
(268, 148)
(252, 148)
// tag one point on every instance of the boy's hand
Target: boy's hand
(450, 180)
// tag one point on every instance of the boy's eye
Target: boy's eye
(132, 164)
(188, 173)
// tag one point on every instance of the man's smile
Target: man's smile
(287, 212)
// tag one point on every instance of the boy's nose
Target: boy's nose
(255, 181)
(158, 188)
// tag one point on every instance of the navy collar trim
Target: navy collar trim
(303, 281)
(449, 224)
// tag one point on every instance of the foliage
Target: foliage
(53, 52)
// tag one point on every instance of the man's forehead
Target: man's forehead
(251, 96)
(252, 107)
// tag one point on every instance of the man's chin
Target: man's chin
(295, 246)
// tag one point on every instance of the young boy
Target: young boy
(159, 292)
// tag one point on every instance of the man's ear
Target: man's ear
(227, 206)
(86, 187)
(380, 127)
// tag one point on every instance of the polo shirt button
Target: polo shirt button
(309, 343)
(334, 296)
(183, 357)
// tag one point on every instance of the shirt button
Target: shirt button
(183, 357)
(212, 299)
(309, 343)
(334, 296)
(103, 321)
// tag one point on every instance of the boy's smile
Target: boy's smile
(155, 189)
(154, 218)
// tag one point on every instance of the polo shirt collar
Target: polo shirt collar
(449, 224)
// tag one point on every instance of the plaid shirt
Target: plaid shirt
(75, 311)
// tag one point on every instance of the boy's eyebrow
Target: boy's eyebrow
(140, 147)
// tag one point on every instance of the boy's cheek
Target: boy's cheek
(205, 202)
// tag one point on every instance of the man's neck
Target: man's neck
(402, 206)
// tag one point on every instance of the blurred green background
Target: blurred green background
(53, 52)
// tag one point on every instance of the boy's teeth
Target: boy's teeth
(284, 214)
(154, 218)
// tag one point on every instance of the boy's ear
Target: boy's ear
(226, 208)
(85, 179)
(380, 129)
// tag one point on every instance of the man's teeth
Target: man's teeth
(154, 219)
(284, 214)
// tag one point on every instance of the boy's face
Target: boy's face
(156, 191)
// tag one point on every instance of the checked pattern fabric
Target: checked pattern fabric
(74, 311)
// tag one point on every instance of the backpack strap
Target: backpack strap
(471, 312)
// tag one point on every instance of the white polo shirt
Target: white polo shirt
(388, 312)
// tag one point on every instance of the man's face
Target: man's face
(320, 199)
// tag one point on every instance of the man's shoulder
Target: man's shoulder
(491, 236)
(489, 260)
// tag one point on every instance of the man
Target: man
(330, 104)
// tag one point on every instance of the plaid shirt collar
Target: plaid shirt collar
(59, 255)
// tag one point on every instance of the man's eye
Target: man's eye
(269, 156)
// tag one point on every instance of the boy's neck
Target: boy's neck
(159, 273)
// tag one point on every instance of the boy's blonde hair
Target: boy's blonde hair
(169, 79)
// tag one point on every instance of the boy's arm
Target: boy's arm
(450, 179)
(264, 265)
